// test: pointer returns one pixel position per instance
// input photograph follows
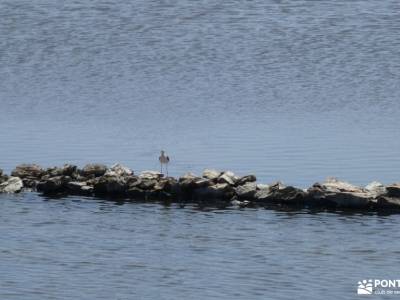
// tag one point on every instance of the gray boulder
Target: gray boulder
(245, 179)
(221, 191)
(94, 170)
(341, 194)
(12, 185)
(228, 177)
(53, 185)
(112, 185)
(280, 193)
(211, 174)
(246, 191)
(79, 188)
(29, 173)
(66, 170)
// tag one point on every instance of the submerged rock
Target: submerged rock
(341, 194)
(95, 170)
(12, 185)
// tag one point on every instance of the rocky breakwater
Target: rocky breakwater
(222, 188)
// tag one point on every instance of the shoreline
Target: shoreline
(221, 188)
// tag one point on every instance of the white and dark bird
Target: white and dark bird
(164, 160)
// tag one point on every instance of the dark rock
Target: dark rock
(135, 192)
(286, 194)
(53, 185)
(388, 202)
(246, 191)
(218, 191)
(12, 185)
(79, 188)
(111, 185)
(95, 170)
(342, 194)
(393, 190)
(245, 179)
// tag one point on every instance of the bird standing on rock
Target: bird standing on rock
(164, 159)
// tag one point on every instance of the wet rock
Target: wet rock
(111, 185)
(211, 174)
(53, 185)
(12, 185)
(341, 194)
(119, 170)
(79, 188)
(228, 178)
(393, 190)
(151, 175)
(213, 192)
(94, 170)
(135, 192)
(246, 191)
(388, 202)
(245, 179)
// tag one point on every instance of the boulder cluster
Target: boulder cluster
(213, 187)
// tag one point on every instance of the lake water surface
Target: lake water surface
(287, 90)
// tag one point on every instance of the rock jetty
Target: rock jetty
(222, 188)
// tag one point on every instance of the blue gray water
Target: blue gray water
(290, 90)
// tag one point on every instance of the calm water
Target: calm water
(85, 249)
(290, 90)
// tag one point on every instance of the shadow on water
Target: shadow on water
(215, 205)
